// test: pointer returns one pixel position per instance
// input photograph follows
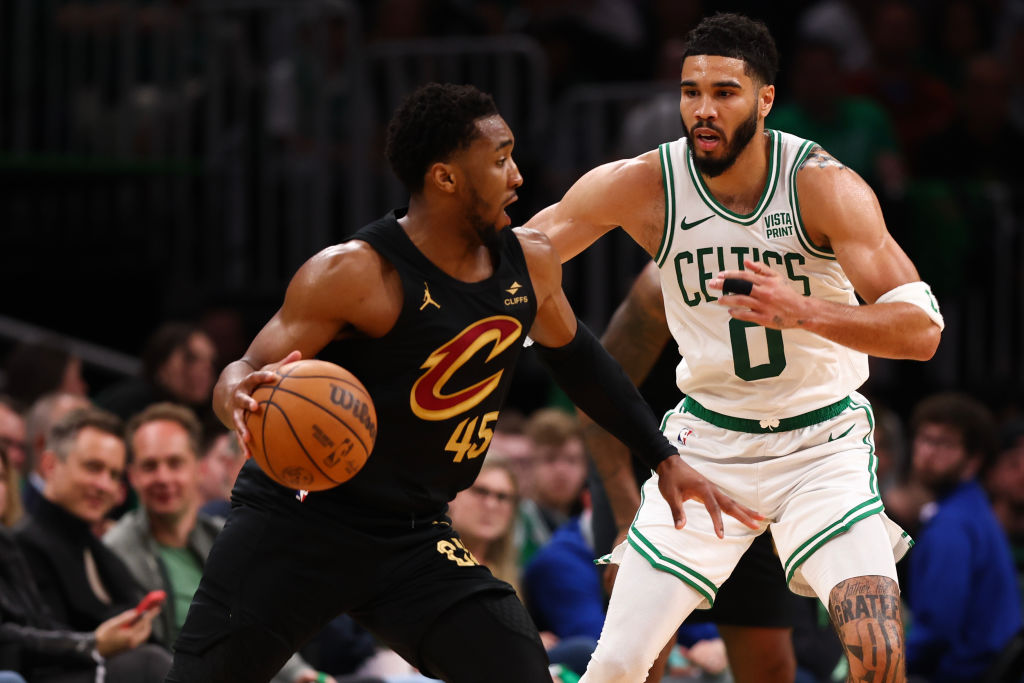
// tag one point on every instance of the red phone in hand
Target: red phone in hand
(152, 599)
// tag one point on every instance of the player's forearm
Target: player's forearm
(890, 330)
(615, 466)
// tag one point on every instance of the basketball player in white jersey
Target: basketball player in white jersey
(762, 239)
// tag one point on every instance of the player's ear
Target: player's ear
(442, 176)
(765, 99)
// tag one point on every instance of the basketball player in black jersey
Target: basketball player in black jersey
(429, 307)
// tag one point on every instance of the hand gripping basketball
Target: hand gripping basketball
(315, 427)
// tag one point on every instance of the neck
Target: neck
(173, 530)
(740, 187)
(447, 239)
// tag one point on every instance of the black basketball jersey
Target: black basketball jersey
(438, 379)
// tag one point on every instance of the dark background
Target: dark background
(179, 159)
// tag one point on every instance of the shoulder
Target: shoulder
(820, 175)
(350, 262)
(211, 524)
(832, 196)
(125, 534)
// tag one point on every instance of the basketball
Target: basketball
(316, 428)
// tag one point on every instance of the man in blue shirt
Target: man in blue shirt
(962, 591)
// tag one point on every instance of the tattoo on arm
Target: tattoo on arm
(821, 159)
(865, 611)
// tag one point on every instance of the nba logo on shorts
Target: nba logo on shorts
(683, 434)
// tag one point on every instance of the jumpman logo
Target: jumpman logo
(427, 299)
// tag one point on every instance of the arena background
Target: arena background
(178, 159)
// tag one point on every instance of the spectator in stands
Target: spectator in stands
(38, 367)
(12, 434)
(561, 467)
(41, 417)
(10, 504)
(484, 515)
(177, 365)
(962, 590)
(987, 140)
(1005, 485)
(919, 104)
(855, 130)
(165, 542)
(34, 644)
(81, 580)
(218, 468)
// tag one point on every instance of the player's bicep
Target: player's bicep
(310, 317)
(839, 205)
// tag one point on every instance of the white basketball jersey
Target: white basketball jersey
(731, 366)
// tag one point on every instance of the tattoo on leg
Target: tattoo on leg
(866, 614)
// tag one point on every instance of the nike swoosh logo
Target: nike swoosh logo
(830, 438)
(686, 226)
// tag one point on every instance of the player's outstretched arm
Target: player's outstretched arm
(626, 193)
(313, 314)
(599, 387)
(635, 337)
(840, 212)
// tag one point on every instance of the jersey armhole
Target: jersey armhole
(668, 185)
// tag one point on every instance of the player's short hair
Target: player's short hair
(733, 35)
(963, 413)
(166, 412)
(434, 122)
(64, 432)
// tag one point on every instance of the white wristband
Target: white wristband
(916, 293)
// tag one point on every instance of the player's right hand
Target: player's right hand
(126, 631)
(242, 401)
(679, 482)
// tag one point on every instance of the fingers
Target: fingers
(748, 517)
(715, 510)
(675, 503)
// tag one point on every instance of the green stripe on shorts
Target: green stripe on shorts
(808, 547)
(650, 553)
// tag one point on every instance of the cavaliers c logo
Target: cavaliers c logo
(428, 398)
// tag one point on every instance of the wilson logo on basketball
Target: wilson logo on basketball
(431, 398)
(343, 398)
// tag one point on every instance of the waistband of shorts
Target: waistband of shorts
(785, 424)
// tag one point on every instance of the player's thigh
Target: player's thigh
(485, 638)
(269, 584)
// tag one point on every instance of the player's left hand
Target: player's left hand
(679, 482)
(772, 301)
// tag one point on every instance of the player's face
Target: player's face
(939, 457)
(491, 177)
(164, 470)
(721, 108)
(88, 482)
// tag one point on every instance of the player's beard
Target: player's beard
(741, 137)
(486, 230)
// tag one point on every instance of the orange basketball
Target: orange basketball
(316, 428)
